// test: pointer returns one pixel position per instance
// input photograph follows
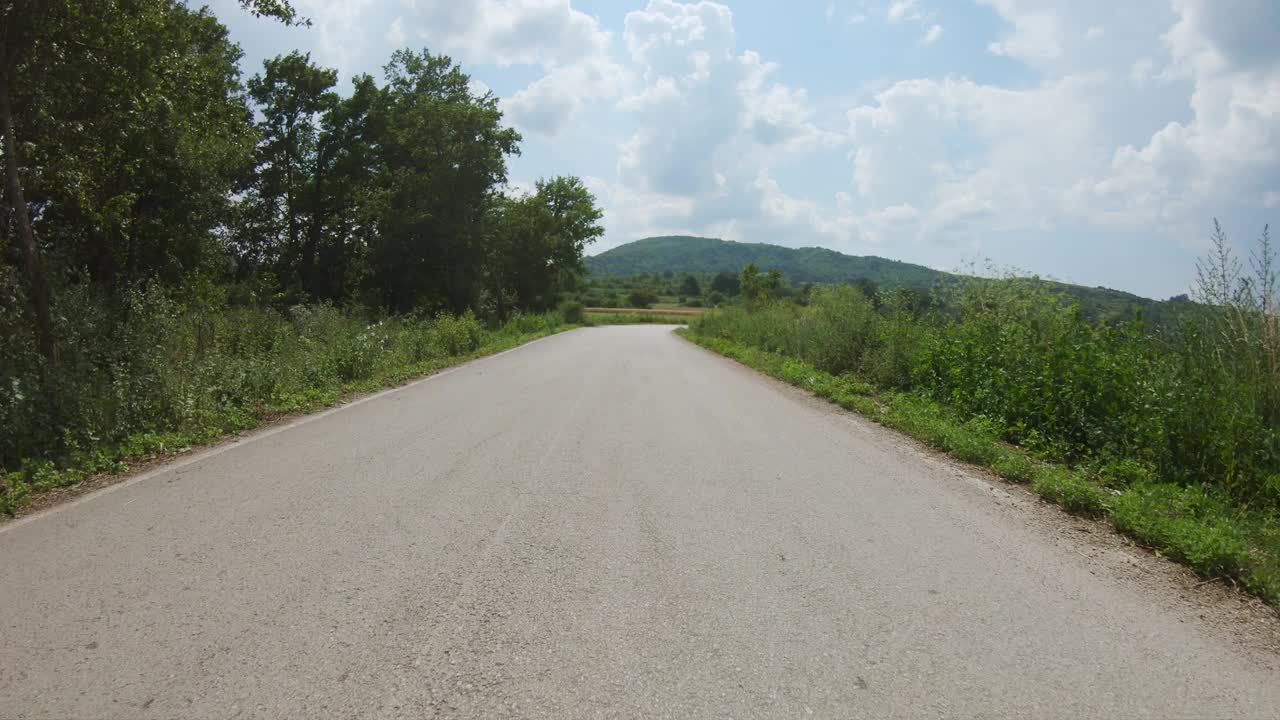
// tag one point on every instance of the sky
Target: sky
(1092, 141)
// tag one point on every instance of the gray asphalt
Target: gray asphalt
(606, 523)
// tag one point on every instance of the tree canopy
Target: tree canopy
(137, 156)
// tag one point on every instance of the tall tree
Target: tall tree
(442, 151)
(726, 283)
(690, 286)
(284, 196)
(535, 251)
(26, 28)
(341, 225)
(122, 123)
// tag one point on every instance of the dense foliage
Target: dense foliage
(170, 230)
(182, 370)
(1197, 404)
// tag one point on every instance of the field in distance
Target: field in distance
(659, 309)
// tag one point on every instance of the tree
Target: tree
(284, 209)
(689, 286)
(749, 282)
(641, 298)
(281, 10)
(869, 288)
(725, 283)
(123, 123)
(442, 150)
(346, 168)
(536, 243)
(772, 282)
(22, 21)
(757, 288)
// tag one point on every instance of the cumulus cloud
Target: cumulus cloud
(969, 157)
(396, 36)
(711, 121)
(511, 32)
(1228, 153)
(570, 46)
(333, 20)
(904, 11)
(965, 153)
(1141, 117)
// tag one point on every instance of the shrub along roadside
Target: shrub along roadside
(1215, 537)
(217, 373)
(598, 318)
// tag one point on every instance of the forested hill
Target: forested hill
(707, 255)
(685, 254)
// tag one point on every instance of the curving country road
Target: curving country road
(606, 523)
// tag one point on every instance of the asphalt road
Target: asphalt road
(606, 523)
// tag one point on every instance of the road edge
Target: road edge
(104, 483)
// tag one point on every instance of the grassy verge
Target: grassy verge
(633, 318)
(441, 343)
(1216, 538)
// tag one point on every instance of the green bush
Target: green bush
(455, 335)
(641, 298)
(157, 372)
(572, 312)
(1188, 404)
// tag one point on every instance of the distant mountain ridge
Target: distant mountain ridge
(681, 254)
(677, 253)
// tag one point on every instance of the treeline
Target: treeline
(145, 179)
(390, 195)
(693, 290)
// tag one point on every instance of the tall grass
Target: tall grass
(1197, 404)
(160, 372)
(1171, 432)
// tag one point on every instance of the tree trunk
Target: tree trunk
(315, 228)
(32, 268)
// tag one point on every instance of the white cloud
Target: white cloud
(547, 104)
(511, 32)
(569, 45)
(1019, 155)
(712, 121)
(1228, 153)
(1141, 70)
(396, 36)
(904, 11)
(332, 21)
(1036, 38)
(932, 35)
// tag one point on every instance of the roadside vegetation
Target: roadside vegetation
(188, 252)
(674, 292)
(655, 317)
(1173, 432)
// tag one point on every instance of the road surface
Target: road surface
(607, 523)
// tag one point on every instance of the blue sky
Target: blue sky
(1092, 141)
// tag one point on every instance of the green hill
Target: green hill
(683, 254)
(707, 255)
